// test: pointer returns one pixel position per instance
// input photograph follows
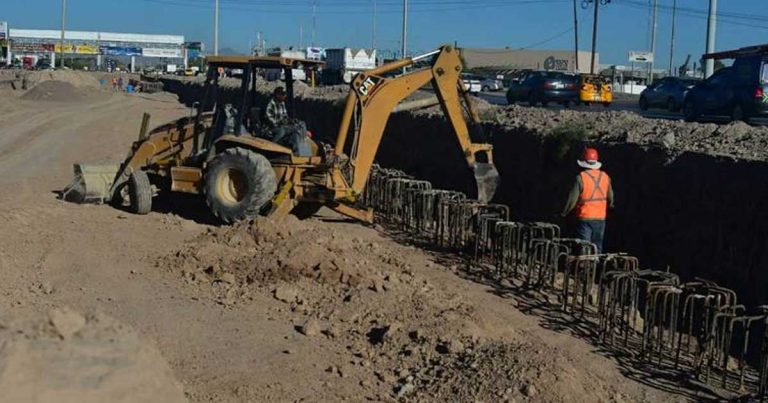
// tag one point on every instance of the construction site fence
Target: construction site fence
(694, 329)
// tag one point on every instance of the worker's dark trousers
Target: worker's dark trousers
(592, 231)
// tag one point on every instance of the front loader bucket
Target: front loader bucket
(487, 179)
(91, 184)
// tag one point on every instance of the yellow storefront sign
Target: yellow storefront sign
(78, 49)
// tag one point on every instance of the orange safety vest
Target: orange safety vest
(593, 201)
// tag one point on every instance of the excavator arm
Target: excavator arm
(373, 97)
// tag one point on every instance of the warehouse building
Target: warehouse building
(523, 59)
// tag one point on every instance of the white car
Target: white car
(471, 83)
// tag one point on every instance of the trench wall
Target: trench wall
(701, 215)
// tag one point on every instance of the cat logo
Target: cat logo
(367, 86)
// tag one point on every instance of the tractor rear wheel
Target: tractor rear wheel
(238, 184)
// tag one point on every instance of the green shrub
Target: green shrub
(563, 138)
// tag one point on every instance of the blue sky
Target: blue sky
(545, 24)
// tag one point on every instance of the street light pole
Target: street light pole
(373, 31)
(404, 42)
(63, 28)
(672, 40)
(654, 25)
(709, 64)
(216, 28)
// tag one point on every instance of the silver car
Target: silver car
(472, 83)
(491, 84)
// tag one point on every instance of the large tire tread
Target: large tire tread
(140, 193)
(261, 184)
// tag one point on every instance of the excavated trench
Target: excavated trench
(700, 215)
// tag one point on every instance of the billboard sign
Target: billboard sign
(640, 56)
(32, 47)
(315, 53)
(120, 51)
(3, 30)
(161, 52)
(194, 49)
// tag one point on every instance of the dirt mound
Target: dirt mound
(54, 91)
(69, 357)
(263, 252)
(79, 79)
(735, 139)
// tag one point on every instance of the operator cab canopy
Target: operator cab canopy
(251, 64)
(245, 107)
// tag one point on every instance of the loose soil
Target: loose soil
(70, 357)
(320, 310)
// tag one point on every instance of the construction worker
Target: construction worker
(277, 113)
(590, 198)
(291, 133)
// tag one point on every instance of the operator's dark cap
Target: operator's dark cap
(279, 91)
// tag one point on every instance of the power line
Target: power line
(550, 39)
(702, 14)
(339, 8)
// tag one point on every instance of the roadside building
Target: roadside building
(97, 49)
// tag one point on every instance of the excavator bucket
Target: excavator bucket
(487, 179)
(91, 184)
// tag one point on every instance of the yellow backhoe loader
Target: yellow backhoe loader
(224, 153)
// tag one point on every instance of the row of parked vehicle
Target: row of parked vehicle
(738, 92)
(543, 87)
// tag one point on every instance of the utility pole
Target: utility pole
(575, 38)
(314, 21)
(709, 66)
(404, 39)
(216, 28)
(594, 29)
(672, 40)
(654, 25)
(594, 37)
(63, 28)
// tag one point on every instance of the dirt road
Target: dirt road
(322, 310)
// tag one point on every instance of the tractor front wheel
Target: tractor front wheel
(139, 193)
